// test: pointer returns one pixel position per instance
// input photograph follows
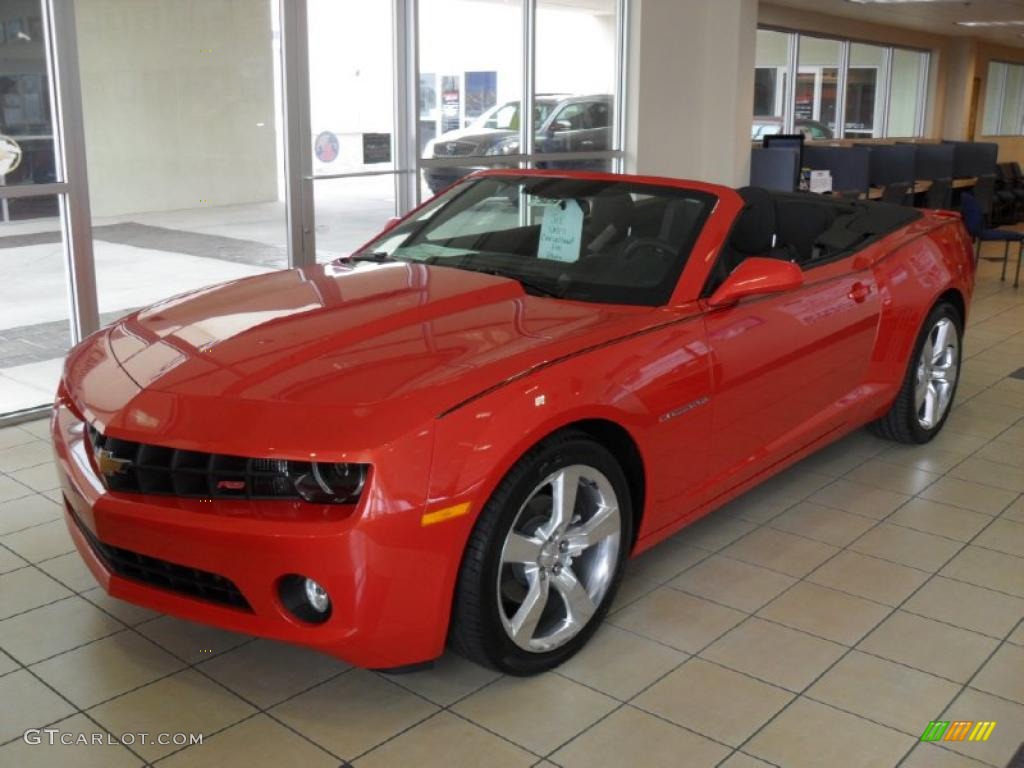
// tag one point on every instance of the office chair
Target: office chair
(895, 193)
(939, 194)
(974, 220)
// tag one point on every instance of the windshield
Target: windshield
(505, 117)
(601, 241)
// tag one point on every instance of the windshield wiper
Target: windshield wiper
(377, 257)
(526, 282)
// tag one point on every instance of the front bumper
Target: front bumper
(390, 580)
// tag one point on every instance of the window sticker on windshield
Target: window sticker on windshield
(561, 232)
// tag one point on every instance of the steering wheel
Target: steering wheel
(652, 245)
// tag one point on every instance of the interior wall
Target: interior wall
(178, 103)
(691, 89)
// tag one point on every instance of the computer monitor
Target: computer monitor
(933, 161)
(891, 164)
(974, 158)
(849, 166)
(777, 168)
(780, 140)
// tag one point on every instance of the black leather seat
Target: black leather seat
(609, 222)
(799, 223)
(752, 234)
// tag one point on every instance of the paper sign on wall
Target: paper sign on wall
(561, 231)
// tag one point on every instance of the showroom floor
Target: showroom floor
(822, 620)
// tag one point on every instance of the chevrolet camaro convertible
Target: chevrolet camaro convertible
(457, 435)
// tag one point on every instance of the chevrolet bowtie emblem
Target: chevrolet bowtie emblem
(109, 464)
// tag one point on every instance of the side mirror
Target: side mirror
(757, 276)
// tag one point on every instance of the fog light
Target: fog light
(304, 598)
(317, 596)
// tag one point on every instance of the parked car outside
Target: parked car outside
(811, 129)
(565, 123)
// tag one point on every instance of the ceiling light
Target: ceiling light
(901, 2)
(1012, 23)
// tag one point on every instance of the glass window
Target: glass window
(883, 91)
(469, 102)
(1013, 98)
(600, 241)
(994, 97)
(1004, 100)
(576, 92)
(772, 60)
(864, 88)
(816, 84)
(349, 211)
(184, 147)
(26, 125)
(906, 92)
(351, 76)
(34, 330)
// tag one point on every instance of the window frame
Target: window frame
(884, 83)
(1001, 98)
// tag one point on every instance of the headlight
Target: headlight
(509, 146)
(331, 483)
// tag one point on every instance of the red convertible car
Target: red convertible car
(458, 434)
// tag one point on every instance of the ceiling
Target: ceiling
(936, 17)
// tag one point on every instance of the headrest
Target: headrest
(610, 218)
(755, 226)
(615, 209)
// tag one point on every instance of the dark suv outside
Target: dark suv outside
(564, 124)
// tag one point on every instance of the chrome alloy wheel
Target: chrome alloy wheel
(559, 558)
(937, 370)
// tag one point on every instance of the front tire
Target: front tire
(929, 386)
(544, 559)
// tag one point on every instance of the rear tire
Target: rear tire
(545, 558)
(929, 386)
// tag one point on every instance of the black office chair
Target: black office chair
(1015, 183)
(1008, 200)
(974, 220)
(984, 193)
(895, 193)
(939, 194)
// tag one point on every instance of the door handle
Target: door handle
(859, 292)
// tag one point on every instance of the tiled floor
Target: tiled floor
(822, 620)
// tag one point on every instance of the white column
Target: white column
(691, 89)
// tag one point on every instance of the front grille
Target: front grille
(130, 467)
(454, 148)
(166, 575)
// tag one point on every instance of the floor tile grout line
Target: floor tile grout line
(886, 617)
(449, 708)
(189, 665)
(133, 628)
(967, 686)
(76, 709)
(690, 657)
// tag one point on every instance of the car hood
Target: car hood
(481, 136)
(385, 344)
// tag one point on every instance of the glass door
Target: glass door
(352, 121)
(37, 325)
